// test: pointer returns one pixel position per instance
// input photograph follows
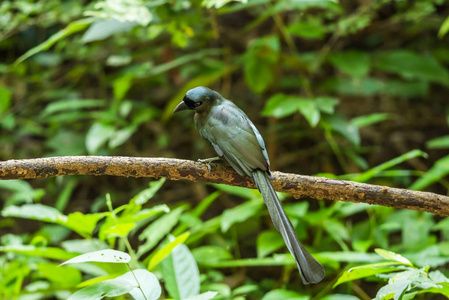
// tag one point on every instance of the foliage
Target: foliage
(347, 90)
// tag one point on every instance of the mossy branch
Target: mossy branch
(299, 186)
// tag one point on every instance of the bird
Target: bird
(236, 139)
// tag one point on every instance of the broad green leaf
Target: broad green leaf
(47, 252)
(147, 194)
(284, 294)
(22, 192)
(119, 137)
(393, 256)
(72, 28)
(210, 254)
(340, 297)
(119, 230)
(83, 224)
(107, 255)
(157, 230)
(122, 11)
(309, 110)
(311, 28)
(97, 136)
(339, 124)
(35, 212)
(280, 105)
(350, 256)
(218, 3)
(441, 142)
(61, 276)
(439, 170)
(366, 271)
(353, 63)
(70, 105)
(83, 245)
(268, 242)
(166, 250)
(240, 213)
(326, 104)
(203, 296)
(411, 65)
(180, 273)
(260, 62)
(147, 287)
(103, 29)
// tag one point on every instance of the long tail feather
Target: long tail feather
(310, 269)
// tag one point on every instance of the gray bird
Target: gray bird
(235, 138)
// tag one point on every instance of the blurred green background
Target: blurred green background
(356, 90)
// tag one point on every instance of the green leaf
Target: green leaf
(240, 213)
(338, 124)
(439, 170)
(22, 191)
(280, 105)
(353, 63)
(203, 296)
(47, 252)
(326, 104)
(70, 105)
(69, 30)
(147, 287)
(180, 273)
(444, 28)
(393, 256)
(107, 255)
(166, 250)
(340, 297)
(438, 143)
(312, 28)
(103, 29)
(61, 276)
(154, 233)
(35, 212)
(366, 271)
(120, 136)
(260, 62)
(83, 224)
(97, 136)
(411, 65)
(370, 119)
(309, 110)
(218, 3)
(210, 254)
(284, 294)
(147, 194)
(268, 242)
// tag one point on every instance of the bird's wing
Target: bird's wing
(235, 137)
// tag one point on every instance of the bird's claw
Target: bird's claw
(208, 162)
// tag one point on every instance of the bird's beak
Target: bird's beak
(181, 106)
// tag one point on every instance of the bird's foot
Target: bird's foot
(208, 161)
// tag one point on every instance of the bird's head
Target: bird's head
(200, 99)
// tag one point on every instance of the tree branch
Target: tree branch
(299, 186)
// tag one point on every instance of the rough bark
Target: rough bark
(299, 186)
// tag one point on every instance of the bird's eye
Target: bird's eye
(198, 103)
